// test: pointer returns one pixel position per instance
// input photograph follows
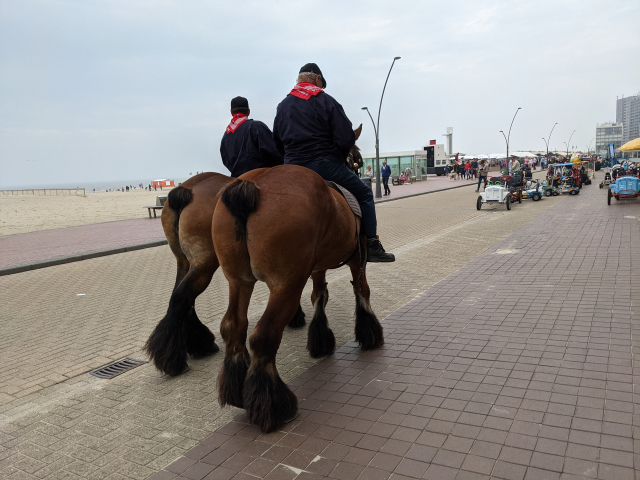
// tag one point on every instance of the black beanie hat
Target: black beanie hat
(239, 102)
(313, 68)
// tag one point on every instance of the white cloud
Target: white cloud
(126, 89)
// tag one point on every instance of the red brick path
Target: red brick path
(32, 247)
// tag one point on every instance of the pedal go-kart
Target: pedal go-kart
(505, 189)
(534, 194)
(565, 178)
(569, 186)
(607, 180)
(625, 187)
(549, 190)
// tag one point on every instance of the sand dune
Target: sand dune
(28, 213)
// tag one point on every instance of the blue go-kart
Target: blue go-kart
(624, 187)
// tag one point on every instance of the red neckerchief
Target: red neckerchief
(237, 120)
(305, 90)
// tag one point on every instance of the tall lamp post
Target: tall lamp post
(507, 137)
(376, 130)
(589, 147)
(569, 143)
(547, 141)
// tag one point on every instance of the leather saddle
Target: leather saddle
(348, 196)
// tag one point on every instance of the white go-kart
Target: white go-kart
(499, 191)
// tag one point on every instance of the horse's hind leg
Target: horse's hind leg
(180, 332)
(268, 401)
(368, 329)
(320, 340)
(234, 332)
(298, 320)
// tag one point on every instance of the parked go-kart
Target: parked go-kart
(505, 189)
(607, 180)
(624, 187)
(533, 193)
(569, 186)
(549, 190)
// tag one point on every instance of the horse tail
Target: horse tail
(241, 199)
(178, 199)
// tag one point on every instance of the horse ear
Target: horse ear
(358, 131)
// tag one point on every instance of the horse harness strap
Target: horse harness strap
(355, 208)
(348, 196)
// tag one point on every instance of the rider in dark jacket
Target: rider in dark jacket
(247, 144)
(312, 130)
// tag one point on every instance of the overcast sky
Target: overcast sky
(108, 90)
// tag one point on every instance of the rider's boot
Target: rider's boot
(377, 253)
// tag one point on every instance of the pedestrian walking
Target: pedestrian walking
(482, 173)
(385, 171)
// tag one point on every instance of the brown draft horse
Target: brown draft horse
(281, 227)
(186, 220)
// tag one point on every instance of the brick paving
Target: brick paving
(520, 365)
(56, 421)
(22, 248)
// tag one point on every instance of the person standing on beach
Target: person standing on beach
(247, 144)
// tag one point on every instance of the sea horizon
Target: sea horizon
(100, 186)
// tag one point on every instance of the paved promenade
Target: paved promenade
(520, 365)
(473, 330)
(100, 238)
(60, 322)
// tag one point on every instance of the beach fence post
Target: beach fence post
(45, 191)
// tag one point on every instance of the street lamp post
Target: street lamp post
(569, 143)
(508, 137)
(589, 147)
(376, 130)
(549, 140)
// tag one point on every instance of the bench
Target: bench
(160, 199)
(154, 208)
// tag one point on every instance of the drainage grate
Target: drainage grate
(116, 368)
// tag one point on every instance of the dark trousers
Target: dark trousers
(480, 180)
(339, 173)
(385, 184)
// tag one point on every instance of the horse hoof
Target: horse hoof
(268, 401)
(231, 381)
(298, 320)
(184, 370)
(292, 417)
(207, 353)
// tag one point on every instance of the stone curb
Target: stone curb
(78, 257)
(425, 193)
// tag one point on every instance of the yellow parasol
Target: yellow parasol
(630, 146)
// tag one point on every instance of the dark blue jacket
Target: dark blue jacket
(309, 130)
(385, 171)
(251, 146)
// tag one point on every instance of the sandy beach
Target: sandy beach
(29, 213)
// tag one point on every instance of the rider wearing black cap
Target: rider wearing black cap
(247, 144)
(312, 130)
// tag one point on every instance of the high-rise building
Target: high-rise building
(628, 113)
(607, 133)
